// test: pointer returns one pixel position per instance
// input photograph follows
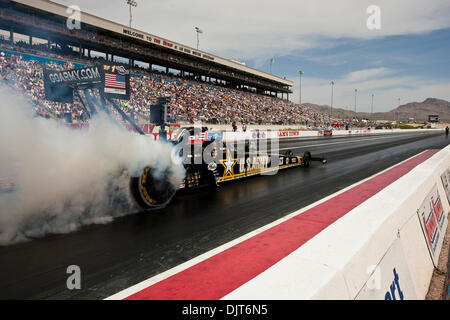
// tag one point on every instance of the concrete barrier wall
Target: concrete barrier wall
(233, 136)
(273, 134)
(364, 237)
(376, 251)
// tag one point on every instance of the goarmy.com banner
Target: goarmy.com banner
(81, 75)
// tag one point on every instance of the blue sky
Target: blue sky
(407, 58)
(423, 54)
(419, 59)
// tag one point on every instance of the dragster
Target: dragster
(152, 190)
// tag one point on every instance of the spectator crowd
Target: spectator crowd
(190, 101)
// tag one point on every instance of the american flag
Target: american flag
(114, 81)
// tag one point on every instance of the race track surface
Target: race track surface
(133, 248)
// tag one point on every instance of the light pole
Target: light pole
(272, 60)
(131, 3)
(371, 108)
(332, 92)
(198, 31)
(356, 92)
(300, 74)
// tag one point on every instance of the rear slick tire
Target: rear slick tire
(151, 191)
(306, 159)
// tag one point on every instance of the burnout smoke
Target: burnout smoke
(66, 178)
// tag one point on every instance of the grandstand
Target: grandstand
(207, 88)
(47, 20)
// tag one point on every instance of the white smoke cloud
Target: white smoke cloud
(67, 178)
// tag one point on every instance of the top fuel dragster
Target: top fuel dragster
(224, 162)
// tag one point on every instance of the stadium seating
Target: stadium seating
(21, 66)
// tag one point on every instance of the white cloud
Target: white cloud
(366, 74)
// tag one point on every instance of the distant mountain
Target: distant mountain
(421, 110)
(417, 110)
(336, 113)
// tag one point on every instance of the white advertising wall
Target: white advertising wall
(390, 279)
(433, 222)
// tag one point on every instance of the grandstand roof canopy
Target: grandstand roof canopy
(47, 19)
